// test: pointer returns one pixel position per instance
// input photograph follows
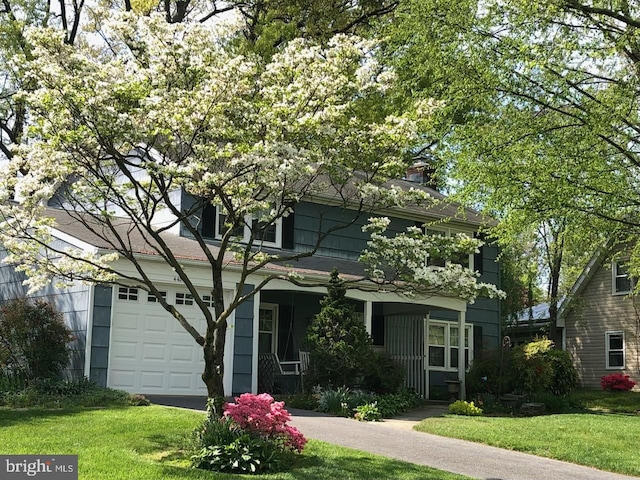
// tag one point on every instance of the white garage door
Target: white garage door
(150, 352)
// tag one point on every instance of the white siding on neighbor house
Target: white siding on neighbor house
(596, 312)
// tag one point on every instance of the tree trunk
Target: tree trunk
(555, 333)
(213, 350)
(214, 369)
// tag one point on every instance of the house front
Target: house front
(601, 321)
(124, 339)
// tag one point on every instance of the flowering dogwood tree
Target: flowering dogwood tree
(117, 129)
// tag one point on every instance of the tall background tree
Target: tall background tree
(540, 125)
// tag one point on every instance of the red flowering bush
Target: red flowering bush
(262, 416)
(617, 382)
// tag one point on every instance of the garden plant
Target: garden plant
(251, 437)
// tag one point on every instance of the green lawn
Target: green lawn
(602, 440)
(149, 443)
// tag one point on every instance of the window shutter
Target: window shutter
(477, 341)
(288, 226)
(208, 224)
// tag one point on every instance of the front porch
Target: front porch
(422, 335)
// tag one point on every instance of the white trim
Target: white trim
(448, 346)
(368, 316)
(229, 347)
(274, 307)
(607, 350)
(89, 332)
(254, 352)
(75, 241)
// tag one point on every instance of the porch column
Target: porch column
(461, 349)
(368, 309)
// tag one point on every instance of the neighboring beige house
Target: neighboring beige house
(601, 322)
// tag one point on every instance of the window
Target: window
(465, 260)
(128, 293)
(184, 299)
(622, 281)
(267, 328)
(207, 300)
(437, 345)
(265, 233)
(151, 298)
(443, 344)
(614, 343)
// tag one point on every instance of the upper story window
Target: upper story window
(466, 260)
(621, 280)
(614, 346)
(215, 225)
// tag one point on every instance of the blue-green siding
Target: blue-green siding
(100, 333)
(243, 346)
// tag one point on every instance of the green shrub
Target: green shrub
(344, 402)
(460, 407)
(393, 404)
(565, 375)
(367, 413)
(336, 402)
(541, 368)
(33, 339)
(304, 401)
(216, 431)
(12, 381)
(492, 373)
(340, 349)
(69, 394)
(384, 374)
(554, 403)
(245, 454)
(535, 367)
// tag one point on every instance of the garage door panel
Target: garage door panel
(182, 353)
(123, 350)
(154, 351)
(152, 379)
(126, 321)
(156, 323)
(181, 381)
(122, 379)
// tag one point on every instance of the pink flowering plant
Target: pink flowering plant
(617, 382)
(251, 437)
(260, 415)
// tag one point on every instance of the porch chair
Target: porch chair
(270, 371)
(304, 366)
